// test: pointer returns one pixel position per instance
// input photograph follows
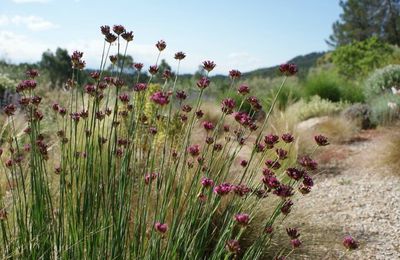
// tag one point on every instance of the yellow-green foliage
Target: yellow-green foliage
(317, 106)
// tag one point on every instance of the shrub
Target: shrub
(358, 59)
(359, 113)
(123, 189)
(382, 81)
(323, 84)
(314, 108)
(328, 85)
(385, 109)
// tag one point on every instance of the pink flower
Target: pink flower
(161, 45)
(179, 55)
(203, 83)
(243, 90)
(321, 140)
(159, 98)
(233, 246)
(161, 228)
(207, 182)
(208, 65)
(350, 243)
(223, 189)
(228, 105)
(194, 150)
(235, 74)
(242, 218)
(208, 126)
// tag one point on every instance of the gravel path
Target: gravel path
(353, 195)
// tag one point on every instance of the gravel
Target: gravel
(362, 199)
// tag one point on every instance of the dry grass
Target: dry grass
(389, 150)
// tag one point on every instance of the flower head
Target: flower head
(293, 233)
(181, 95)
(32, 73)
(287, 138)
(160, 98)
(243, 89)
(295, 243)
(288, 69)
(194, 150)
(138, 66)
(10, 109)
(118, 29)
(223, 189)
(270, 140)
(161, 227)
(105, 29)
(161, 45)
(208, 126)
(294, 173)
(233, 246)
(228, 105)
(235, 74)
(242, 218)
(128, 36)
(140, 87)
(203, 83)
(321, 140)
(350, 243)
(153, 69)
(179, 55)
(207, 182)
(208, 65)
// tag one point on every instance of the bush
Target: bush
(314, 108)
(385, 109)
(382, 81)
(358, 59)
(330, 86)
(361, 114)
(109, 179)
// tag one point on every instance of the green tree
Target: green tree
(57, 65)
(359, 58)
(362, 19)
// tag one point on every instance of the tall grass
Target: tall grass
(125, 179)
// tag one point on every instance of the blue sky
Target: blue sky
(243, 35)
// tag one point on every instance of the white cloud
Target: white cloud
(33, 23)
(30, 1)
(19, 48)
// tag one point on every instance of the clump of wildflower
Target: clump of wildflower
(350, 243)
(223, 189)
(32, 73)
(288, 69)
(207, 182)
(10, 109)
(233, 246)
(243, 89)
(283, 191)
(203, 83)
(255, 103)
(153, 69)
(282, 154)
(293, 233)
(308, 163)
(138, 66)
(194, 150)
(180, 55)
(270, 140)
(161, 45)
(148, 178)
(208, 126)
(295, 243)
(294, 173)
(160, 98)
(321, 140)
(242, 218)
(287, 138)
(241, 190)
(118, 29)
(181, 95)
(105, 29)
(235, 74)
(307, 180)
(286, 207)
(140, 87)
(161, 227)
(128, 36)
(208, 65)
(228, 105)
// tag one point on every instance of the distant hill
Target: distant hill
(304, 63)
